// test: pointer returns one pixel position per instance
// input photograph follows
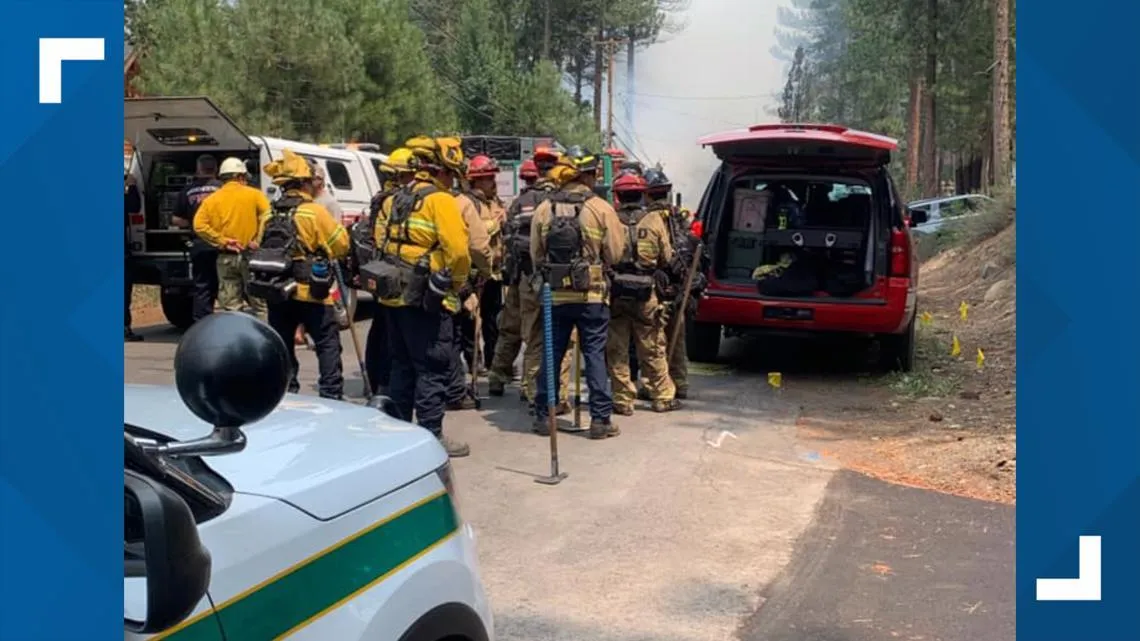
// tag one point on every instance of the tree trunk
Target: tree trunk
(914, 134)
(599, 71)
(579, 76)
(546, 29)
(930, 121)
(1001, 126)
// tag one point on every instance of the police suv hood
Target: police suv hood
(324, 457)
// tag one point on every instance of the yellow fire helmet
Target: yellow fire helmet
(443, 153)
(400, 160)
(289, 167)
(573, 164)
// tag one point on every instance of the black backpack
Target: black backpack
(518, 263)
(386, 276)
(565, 268)
(271, 273)
(630, 217)
(362, 233)
(631, 281)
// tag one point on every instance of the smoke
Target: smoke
(716, 74)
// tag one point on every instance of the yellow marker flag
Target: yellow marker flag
(775, 379)
(981, 358)
(926, 318)
(955, 347)
(963, 310)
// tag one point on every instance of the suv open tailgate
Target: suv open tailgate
(801, 145)
(181, 124)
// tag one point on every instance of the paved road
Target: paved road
(888, 562)
(671, 532)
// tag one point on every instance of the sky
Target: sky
(682, 85)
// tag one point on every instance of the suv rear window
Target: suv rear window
(757, 208)
(819, 202)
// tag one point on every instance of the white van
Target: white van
(167, 134)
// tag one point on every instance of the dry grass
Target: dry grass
(950, 424)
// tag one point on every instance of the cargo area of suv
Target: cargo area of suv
(806, 235)
(798, 236)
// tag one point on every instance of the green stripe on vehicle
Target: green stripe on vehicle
(303, 593)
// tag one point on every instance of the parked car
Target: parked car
(806, 235)
(252, 514)
(167, 134)
(939, 210)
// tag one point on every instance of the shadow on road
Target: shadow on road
(161, 334)
(883, 561)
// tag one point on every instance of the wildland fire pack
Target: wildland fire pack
(632, 282)
(386, 275)
(565, 266)
(274, 269)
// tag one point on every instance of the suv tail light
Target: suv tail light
(697, 229)
(900, 252)
(447, 478)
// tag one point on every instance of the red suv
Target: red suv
(806, 234)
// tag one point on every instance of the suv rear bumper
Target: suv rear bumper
(891, 315)
(169, 272)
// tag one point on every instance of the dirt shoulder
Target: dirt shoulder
(951, 424)
(145, 307)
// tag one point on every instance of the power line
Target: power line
(697, 116)
(628, 103)
(664, 97)
(630, 132)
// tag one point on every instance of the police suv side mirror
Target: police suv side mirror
(918, 216)
(173, 563)
(231, 369)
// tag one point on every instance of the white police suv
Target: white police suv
(251, 515)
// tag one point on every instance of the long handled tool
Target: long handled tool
(344, 292)
(684, 302)
(477, 352)
(577, 382)
(548, 345)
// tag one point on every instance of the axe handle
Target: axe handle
(692, 273)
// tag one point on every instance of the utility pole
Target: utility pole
(630, 51)
(610, 45)
(610, 95)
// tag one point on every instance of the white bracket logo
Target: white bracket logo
(1086, 587)
(53, 53)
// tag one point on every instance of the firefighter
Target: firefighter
(479, 219)
(323, 196)
(684, 244)
(516, 243)
(203, 257)
(635, 309)
(574, 242)
(315, 239)
(484, 194)
(520, 272)
(228, 221)
(425, 263)
(397, 173)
